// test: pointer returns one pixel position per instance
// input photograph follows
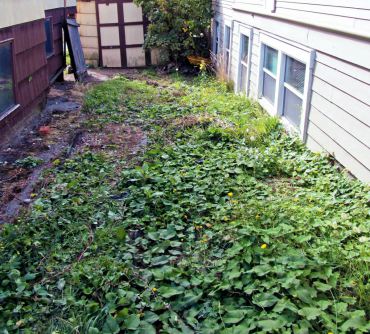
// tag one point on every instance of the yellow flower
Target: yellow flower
(33, 195)
(257, 216)
(330, 333)
(202, 66)
(264, 246)
(154, 290)
(230, 194)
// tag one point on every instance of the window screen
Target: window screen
(49, 37)
(7, 99)
(294, 80)
(295, 73)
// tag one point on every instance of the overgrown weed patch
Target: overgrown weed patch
(224, 225)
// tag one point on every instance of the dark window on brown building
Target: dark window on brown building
(49, 47)
(7, 98)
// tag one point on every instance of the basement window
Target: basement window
(244, 63)
(269, 73)
(49, 44)
(7, 96)
(227, 49)
(285, 81)
(294, 81)
(217, 37)
(243, 75)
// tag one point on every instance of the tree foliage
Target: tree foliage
(179, 26)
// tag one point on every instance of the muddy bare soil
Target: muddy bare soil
(56, 134)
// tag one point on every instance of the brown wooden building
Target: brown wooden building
(31, 56)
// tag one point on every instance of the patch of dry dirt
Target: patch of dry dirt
(116, 140)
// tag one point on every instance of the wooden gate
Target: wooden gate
(121, 29)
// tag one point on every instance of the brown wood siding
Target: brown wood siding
(32, 70)
(30, 74)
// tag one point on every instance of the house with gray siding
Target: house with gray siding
(307, 62)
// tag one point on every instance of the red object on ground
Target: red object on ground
(44, 130)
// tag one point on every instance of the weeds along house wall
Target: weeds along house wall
(339, 109)
(23, 22)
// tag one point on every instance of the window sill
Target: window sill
(9, 111)
(49, 55)
(290, 127)
(267, 105)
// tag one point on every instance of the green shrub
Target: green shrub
(179, 26)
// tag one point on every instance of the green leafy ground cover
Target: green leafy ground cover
(223, 225)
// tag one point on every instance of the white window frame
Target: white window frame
(228, 24)
(246, 31)
(216, 36)
(300, 53)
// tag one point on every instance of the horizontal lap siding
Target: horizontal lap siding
(339, 121)
(30, 69)
(30, 61)
(319, 140)
(339, 118)
(345, 16)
